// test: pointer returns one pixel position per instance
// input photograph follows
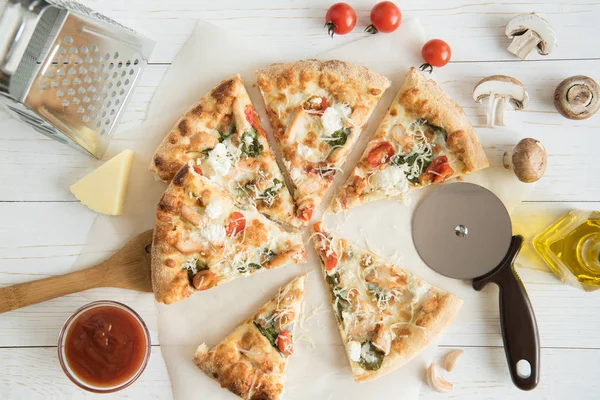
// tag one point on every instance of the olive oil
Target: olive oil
(571, 248)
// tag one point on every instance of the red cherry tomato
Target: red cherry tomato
(380, 154)
(340, 19)
(436, 53)
(197, 169)
(236, 224)
(284, 343)
(438, 171)
(385, 17)
(252, 117)
(306, 215)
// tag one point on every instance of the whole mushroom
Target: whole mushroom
(577, 97)
(528, 160)
(500, 90)
(527, 32)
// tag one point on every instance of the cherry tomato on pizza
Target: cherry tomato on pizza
(436, 53)
(438, 171)
(340, 19)
(380, 154)
(284, 343)
(385, 17)
(236, 224)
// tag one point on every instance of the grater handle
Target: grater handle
(11, 27)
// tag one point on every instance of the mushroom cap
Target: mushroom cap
(529, 160)
(577, 97)
(533, 22)
(502, 86)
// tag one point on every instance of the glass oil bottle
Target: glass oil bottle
(571, 248)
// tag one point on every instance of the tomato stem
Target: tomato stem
(371, 29)
(426, 68)
(331, 27)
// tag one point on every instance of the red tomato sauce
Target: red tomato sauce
(105, 346)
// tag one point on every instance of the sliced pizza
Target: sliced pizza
(251, 360)
(317, 110)
(385, 315)
(203, 239)
(222, 134)
(425, 138)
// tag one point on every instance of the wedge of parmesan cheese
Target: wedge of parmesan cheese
(103, 190)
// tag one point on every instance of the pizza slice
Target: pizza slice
(425, 138)
(222, 134)
(203, 239)
(317, 110)
(251, 361)
(386, 316)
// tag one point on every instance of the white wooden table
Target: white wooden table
(43, 227)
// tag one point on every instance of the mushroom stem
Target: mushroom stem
(491, 111)
(500, 107)
(523, 44)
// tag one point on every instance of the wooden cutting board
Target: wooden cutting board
(128, 268)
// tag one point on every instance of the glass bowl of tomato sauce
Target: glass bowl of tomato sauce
(104, 347)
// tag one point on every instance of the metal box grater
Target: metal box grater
(68, 71)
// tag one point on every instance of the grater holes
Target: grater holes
(86, 99)
(126, 82)
(103, 132)
(97, 78)
(94, 115)
(109, 104)
(114, 93)
(75, 100)
(89, 59)
(65, 103)
(82, 70)
(103, 114)
(107, 56)
(73, 50)
(60, 93)
(87, 79)
(94, 48)
(122, 92)
(78, 60)
(119, 65)
(62, 51)
(117, 102)
(128, 63)
(81, 90)
(76, 81)
(136, 61)
(49, 74)
(71, 92)
(116, 55)
(96, 97)
(111, 65)
(112, 112)
(71, 71)
(68, 40)
(98, 58)
(123, 73)
(104, 95)
(80, 110)
(131, 72)
(66, 61)
(54, 84)
(66, 82)
(93, 69)
(91, 89)
(83, 49)
(115, 74)
(107, 121)
(60, 72)
(119, 84)
(101, 87)
(110, 85)
(43, 86)
(98, 124)
(102, 67)
(85, 118)
(91, 107)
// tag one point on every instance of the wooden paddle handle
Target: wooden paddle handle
(28, 293)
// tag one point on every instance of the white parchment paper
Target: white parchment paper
(319, 370)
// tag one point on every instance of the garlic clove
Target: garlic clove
(436, 380)
(451, 359)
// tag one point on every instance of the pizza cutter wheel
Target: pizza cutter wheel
(464, 231)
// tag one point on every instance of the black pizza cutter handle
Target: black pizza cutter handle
(519, 328)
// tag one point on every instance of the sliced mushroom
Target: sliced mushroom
(451, 359)
(499, 90)
(436, 380)
(527, 32)
(577, 97)
(528, 160)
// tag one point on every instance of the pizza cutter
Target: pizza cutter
(463, 231)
